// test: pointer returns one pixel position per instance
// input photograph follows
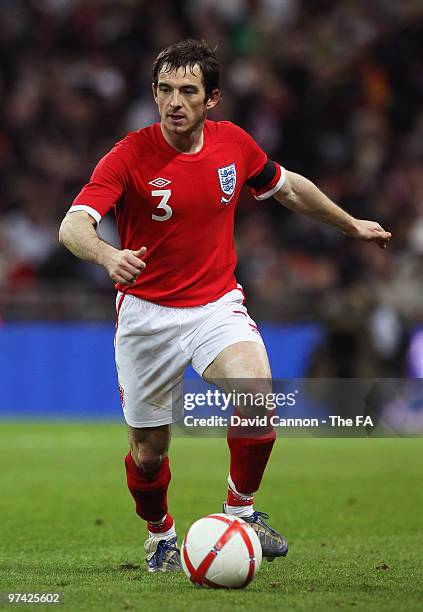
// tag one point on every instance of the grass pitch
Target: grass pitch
(350, 508)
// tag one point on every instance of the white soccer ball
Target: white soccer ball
(221, 551)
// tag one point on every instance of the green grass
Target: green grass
(347, 507)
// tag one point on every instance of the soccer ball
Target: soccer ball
(221, 551)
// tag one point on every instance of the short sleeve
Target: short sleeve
(254, 156)
(107, 184)
(263, 176)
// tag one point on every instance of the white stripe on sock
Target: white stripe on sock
(164, 535)
(162, 520)
(243, 496)
(240, 511)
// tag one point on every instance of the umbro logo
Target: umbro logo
(159, 182)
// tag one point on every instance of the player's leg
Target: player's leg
(148, 476)
(240, 360)
(243, 367)
(230, 353)
(150, 369)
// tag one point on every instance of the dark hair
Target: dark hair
(186, 54)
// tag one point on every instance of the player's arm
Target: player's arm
(77, 233)
(301, 195)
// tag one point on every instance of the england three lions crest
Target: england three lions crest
(227, 179)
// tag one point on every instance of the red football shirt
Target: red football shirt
(180, 206)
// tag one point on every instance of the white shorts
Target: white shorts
(154, 344)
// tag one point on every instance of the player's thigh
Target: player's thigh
(228, 343)
(150, 364)
(243, 370)
(233, 353)
(238, 361)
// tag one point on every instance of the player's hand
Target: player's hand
(370, 231)
(124, 266)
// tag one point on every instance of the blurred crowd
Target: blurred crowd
(331, 89)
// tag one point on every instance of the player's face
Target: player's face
(181, 98)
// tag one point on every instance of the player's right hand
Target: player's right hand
(370, 231)
(125, 266)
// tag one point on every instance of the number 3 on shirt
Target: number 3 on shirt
(165, 195)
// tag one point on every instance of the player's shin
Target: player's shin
(149, 491)
(250, 452)
(249, 455)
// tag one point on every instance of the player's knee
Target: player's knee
(148, 459)
(149, 447)
(253, 395)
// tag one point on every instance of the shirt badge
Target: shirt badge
(227, 179)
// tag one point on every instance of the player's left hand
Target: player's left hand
(370, 231)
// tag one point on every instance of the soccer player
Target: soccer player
(174, 187)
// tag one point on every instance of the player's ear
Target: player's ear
(213, 99)
(154, 89)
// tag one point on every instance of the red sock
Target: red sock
(249, 457)
(166, 524)
(148, 490)
(235, 499)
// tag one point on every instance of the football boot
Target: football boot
(162, 555)
(273, 544)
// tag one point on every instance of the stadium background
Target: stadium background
(330, 88)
